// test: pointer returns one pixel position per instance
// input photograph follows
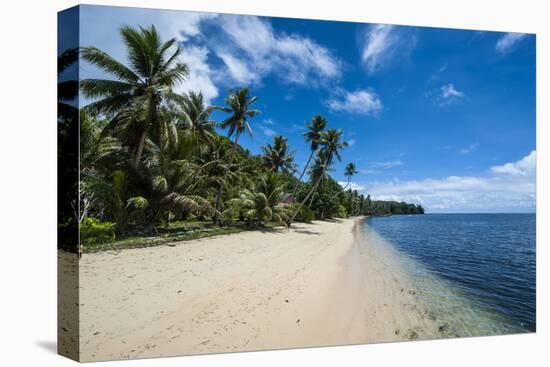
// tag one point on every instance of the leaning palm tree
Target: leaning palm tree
(317, 124)
(331, 142)
(239, 104)
(349, 172)
(134, 98)
(277, 156)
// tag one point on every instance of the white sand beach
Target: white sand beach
(310, 286)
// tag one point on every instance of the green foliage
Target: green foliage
(305, 214)
(341, 211)
(92, 230)
(151, 160)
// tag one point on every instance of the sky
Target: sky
(440, 117)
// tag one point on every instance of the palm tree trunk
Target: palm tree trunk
(302, 174)
(139, 150)
(343, 190)
(313, 189)
(222, 185)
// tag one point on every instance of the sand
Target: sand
(311, 286)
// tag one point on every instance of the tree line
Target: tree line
(149, 156)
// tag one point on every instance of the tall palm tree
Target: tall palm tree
(317, 124)
(277, 156)
(349, 172)
(135, 98)
(331, 142)
(239, 104)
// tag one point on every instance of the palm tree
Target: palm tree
(277, 157)
(239, 104)
(115, 196)
(349, 172)
(135, 98)
(172, 183)
(67, 90)
(194, 115)
(262, 204)
(317, 124)
(331, 142)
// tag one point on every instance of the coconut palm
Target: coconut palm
(331, 143)
(277, 156)
(173, 184)
(67, 90)
(349, 172)
(317, 124)
(194, 115)
(115, 196)
(134, 99)
(262, 204)
(239, 104)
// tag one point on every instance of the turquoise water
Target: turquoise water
(476, 272)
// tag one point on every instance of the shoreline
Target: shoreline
(315, 285)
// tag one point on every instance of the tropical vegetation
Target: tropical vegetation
(156, 167)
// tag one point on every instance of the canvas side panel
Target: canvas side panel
(67, 181)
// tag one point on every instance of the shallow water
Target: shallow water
(474, 273)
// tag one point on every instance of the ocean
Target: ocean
(476, 272)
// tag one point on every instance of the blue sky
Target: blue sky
(440, 117)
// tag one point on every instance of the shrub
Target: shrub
(304, 215)
(342, 212)
(92, 230)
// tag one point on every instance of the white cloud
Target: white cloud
(262, 51)
(378, 43)
(469, 149)
(188, 24)
(268, 131)
(449, 91)
(220, 50)
(200, 74)
(351, 142)
(524, 167)
(448, 94)
(268, 121)
(238, 69)
(362, 102)
(388, 164)
(352, 185)
(509, 187)
(506, 42)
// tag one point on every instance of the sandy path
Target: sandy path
(312, 286)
